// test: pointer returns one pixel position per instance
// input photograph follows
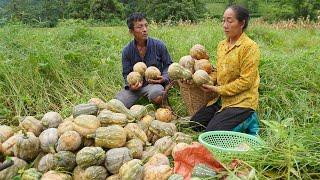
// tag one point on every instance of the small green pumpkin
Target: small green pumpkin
(180, 137)
(95, 173)
(31, 174)
(136, 148)
(116, 157)
(131, 170)
(90, 156)
(117, 106)
(134, 131)
(85, 109)
(162, 129)
(177, 72)
(201, 77)
(48, 138)
(108, 118)
(27, 146)
(203, 171)
(78, 173)
(46, 163)
(165, 145)
(51, 120)
(65, 160)
(110, 137)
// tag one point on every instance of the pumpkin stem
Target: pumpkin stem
(52, 150)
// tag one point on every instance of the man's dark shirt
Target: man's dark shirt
(156, 55)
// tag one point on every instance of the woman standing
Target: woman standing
(237, 75)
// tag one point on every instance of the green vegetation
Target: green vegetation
(54, 69)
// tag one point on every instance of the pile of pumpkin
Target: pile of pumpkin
(195, 67)
(101, 140)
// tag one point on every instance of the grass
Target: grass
(54, 69)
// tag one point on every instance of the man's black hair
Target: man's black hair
(133, 18)
(242, 14)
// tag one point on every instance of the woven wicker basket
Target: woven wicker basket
(194, 97)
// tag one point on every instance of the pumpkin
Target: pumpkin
(98, 102)
(85, 109)
(110, 137)
(65, 160)
(134, 131)
(108, 118)
(27, 146)
(180, 137)
(165, 145)
(164, 115)
(201, 77)
(46, 163)
(199, 52)
(203, 64)
(152, 72)
(145, 122)
(136, 148)
(149, 152)
(86, 124)
(64, 127)
(31, 174)
(13, 170)
(176, 177)
(203, 171)
(69, 141)
(114, 177)
(178, 147)
(134, 78)
(31, 124)
(51, 120)
(131, 170)
(50, 175)
(162, 129)
(177, 72)
(36, 161)
(139, 111)
(157, 159)
(187, 62)
(116, 157)
(90, 156)
(161, 172)
(140, 67)
(48, 138)
(78, 173)
(5, 133)
(95, 173)
(117, 106)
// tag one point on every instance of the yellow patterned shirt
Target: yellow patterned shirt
(237, 73)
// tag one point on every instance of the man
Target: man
(145, 49)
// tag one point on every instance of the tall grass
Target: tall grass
(54, 69)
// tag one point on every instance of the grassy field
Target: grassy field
(54, 69)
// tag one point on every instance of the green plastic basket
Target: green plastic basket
(229, 141)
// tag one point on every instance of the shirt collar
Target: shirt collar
(135, 42)
(238, 42)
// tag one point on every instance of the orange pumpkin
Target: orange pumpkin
(199, 52)
(164, 115)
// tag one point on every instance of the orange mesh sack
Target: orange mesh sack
(187, 158)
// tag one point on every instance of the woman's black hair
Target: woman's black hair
(133, 18)
(242, 14)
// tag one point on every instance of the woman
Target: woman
(237, 75)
